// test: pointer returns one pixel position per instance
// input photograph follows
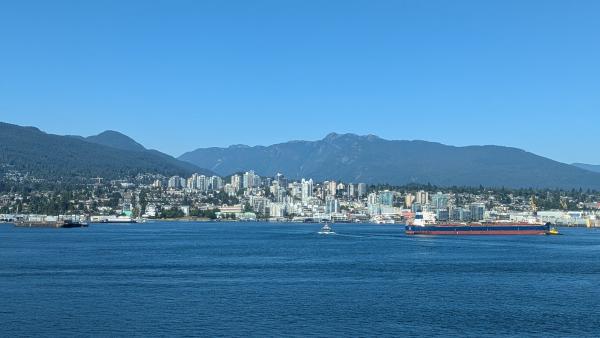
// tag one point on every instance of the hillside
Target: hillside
(370, 159)
(50, 156)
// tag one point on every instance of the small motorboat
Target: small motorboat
(326, 230)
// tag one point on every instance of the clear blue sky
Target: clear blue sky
(177, 75)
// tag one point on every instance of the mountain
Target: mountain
(371, 159)
(117, 140)
(590, 167)
(28, 149)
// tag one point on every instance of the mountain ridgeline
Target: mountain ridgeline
(371, 159)
(590, 167)
(108, 155)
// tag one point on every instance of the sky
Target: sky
(179, 75)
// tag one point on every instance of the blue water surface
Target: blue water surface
(270, 279)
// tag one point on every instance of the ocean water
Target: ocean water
(268, 280)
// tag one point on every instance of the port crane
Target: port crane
(564, 204)
(534, 205)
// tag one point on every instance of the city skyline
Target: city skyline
(216, 74)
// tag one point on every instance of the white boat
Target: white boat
(326, 230)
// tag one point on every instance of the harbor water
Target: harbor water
(271, 279)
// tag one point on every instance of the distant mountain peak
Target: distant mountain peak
(112, 133)
(331, 137)
(115, 139)
(238, 146)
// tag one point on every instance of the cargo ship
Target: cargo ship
(422, 227)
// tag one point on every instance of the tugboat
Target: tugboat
(326, 230)
(70, 223)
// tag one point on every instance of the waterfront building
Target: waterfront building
(233, 209)
(477, 211)
(442, 215)
(465, 215)
(277, 210)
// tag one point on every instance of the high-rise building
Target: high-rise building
(439, 201)
(202, 183)
(248, 179)
(280, 194)
(372, 198)
(351, 192)
(362, 190)
(422, 197)
(257, 181)
(386, 198)
(296, 189)
(307, 189)
(216, 183)
(236, 182)
(409, 199)
(283, 182)
(191, 183)
(174, 182)
(477, 211)
(332, 205)
(332, 188)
